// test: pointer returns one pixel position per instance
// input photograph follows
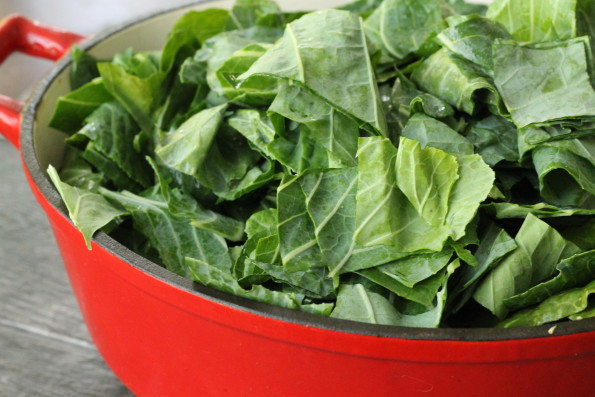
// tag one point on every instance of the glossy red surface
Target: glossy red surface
(21, 34)
(10, 118)
(165, 340)
(18, 33)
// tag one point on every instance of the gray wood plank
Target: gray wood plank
(45, 349)
(58, 367)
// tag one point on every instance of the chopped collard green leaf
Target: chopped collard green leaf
(401, 162)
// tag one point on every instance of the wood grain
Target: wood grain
(45, 350)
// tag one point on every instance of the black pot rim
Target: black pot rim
(42, 182)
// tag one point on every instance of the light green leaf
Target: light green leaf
(88, 211)
(536, 21)
(384, 215)
(139, 95)
(544, 83)
(570, 273)
(540, 249)
(299, 248)
(323, 44)
(248, 13)
(186, 148)
(426, 177)
(557, 307)
(190, 31)
(433, 133)
(253, 93)
(540, 210)
(356, 303)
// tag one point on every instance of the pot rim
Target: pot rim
(39, 177)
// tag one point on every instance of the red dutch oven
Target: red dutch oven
(164, 335)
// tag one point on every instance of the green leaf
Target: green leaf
(423, 292)
(463, 7)
(426, 177)
(540, 210)
(112, 131)
(416, 268)
(261, 93)
(181, 203)
(299, 248)
(585, 22)
(218, 278)
(583, 236)
(88, 211)
(472, 39)
(356, 303)
(544, 83)
(186, 148)
(456, 81)
(189, 32)
(495, 139)
(77, 172)
(401, 27)
(565, 179)
(384, 215)
(557, 307)
(83, 68)
(535, 21)
(589, 312)
(433, 133)
(248, 13)
(495, 244)
(139, 95)
(330, 201)
(234, 168)
(173, 237)
(328, 127)
(72, 109)
(540, 249)
(570, 273)
(315, 282)
(319, 45)
(108, 168)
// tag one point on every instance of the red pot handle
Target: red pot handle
(18, 33)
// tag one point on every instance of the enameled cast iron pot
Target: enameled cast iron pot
(166, 336)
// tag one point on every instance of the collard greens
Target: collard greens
(403, 162)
